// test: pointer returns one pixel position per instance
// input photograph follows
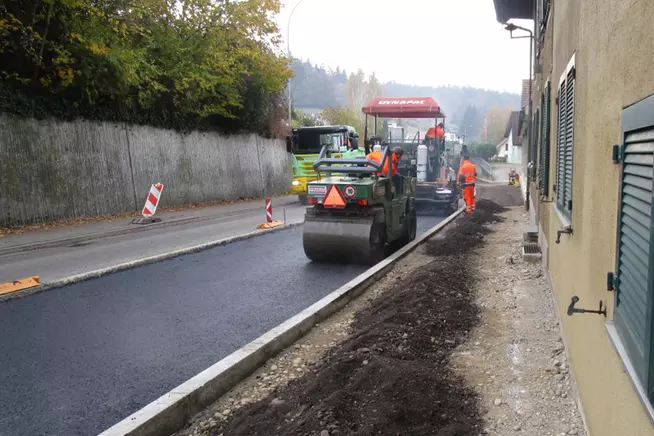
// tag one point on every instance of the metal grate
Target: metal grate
(531, 248)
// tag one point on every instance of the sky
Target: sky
(463, 44)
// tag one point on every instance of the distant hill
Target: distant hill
(315, 87)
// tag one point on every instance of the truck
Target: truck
(424, 158)
(305, 144)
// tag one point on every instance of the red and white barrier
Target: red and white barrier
(269, 224)
(268, 210)
(152, 200)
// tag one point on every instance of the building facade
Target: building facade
(591, 192)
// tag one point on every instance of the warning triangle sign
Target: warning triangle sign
(334, 198)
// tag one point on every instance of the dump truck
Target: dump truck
(358, 214)
(424, 158)
(304, 145)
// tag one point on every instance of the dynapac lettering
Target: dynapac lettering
(402, 102)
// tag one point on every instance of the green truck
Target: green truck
(305, 143)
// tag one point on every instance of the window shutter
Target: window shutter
(544, 165)
(569, 136)
(560, 147)
(634, 271)
(533, 146)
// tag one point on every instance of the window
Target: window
(544, 158)
(634, 281)
(564, 141)
(542, 13)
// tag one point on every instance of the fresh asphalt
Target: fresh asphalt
(78, 359)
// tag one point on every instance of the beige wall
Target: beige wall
(613, 42)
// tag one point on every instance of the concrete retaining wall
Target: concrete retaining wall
(52, 170)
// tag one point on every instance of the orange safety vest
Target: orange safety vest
(439, 132)
(468, 171)
(377, 157)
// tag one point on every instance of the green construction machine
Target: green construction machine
(357, 214)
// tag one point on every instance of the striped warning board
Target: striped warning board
(152, 201)
(268, 210)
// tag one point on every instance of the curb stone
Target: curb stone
(173, 410)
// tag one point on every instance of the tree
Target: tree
(170, 63)
(301, 119)
(343, 115)
(482, 150)
(497, 119)
(470, 124)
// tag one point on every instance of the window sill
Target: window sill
(565, 222)
(631, 372)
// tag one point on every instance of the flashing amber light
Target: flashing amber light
(362, 202)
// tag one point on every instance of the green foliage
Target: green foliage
(301, 119)
(182, 64)
(342, 115)
(483, 151)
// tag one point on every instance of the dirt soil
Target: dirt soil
(461, 338)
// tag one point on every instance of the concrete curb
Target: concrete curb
(126, 231)
(140, 262)
(173, 410)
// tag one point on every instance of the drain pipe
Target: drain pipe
(511, 27)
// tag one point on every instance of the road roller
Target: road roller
(356, 214)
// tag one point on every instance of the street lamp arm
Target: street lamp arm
(288, 29)
(288, 54)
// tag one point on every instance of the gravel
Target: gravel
(498, 365)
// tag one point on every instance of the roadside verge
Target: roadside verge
(173, 410)
(92, 236)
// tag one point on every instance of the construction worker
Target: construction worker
(436, 132)
(397, 154)
(466, 179)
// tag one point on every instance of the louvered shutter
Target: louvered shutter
(544, 164)
(560, 147)
(569, 140)
(533, 158)
(635, 268)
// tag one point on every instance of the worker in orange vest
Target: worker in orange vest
(466, 179)
(395, 163)
(377, 156)
(437, 132)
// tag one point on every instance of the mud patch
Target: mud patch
(392, 374)
(489, 206)
(468, 232)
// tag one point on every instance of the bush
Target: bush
(183, 65)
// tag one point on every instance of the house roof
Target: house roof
(502, 143)
(508, 9)
(514, 124)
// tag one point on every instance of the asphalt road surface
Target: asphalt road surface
(78, 359)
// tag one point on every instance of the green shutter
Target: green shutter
(569, 140)
(544, 164)
(560, 146)
(634, 262)
(534, 143)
